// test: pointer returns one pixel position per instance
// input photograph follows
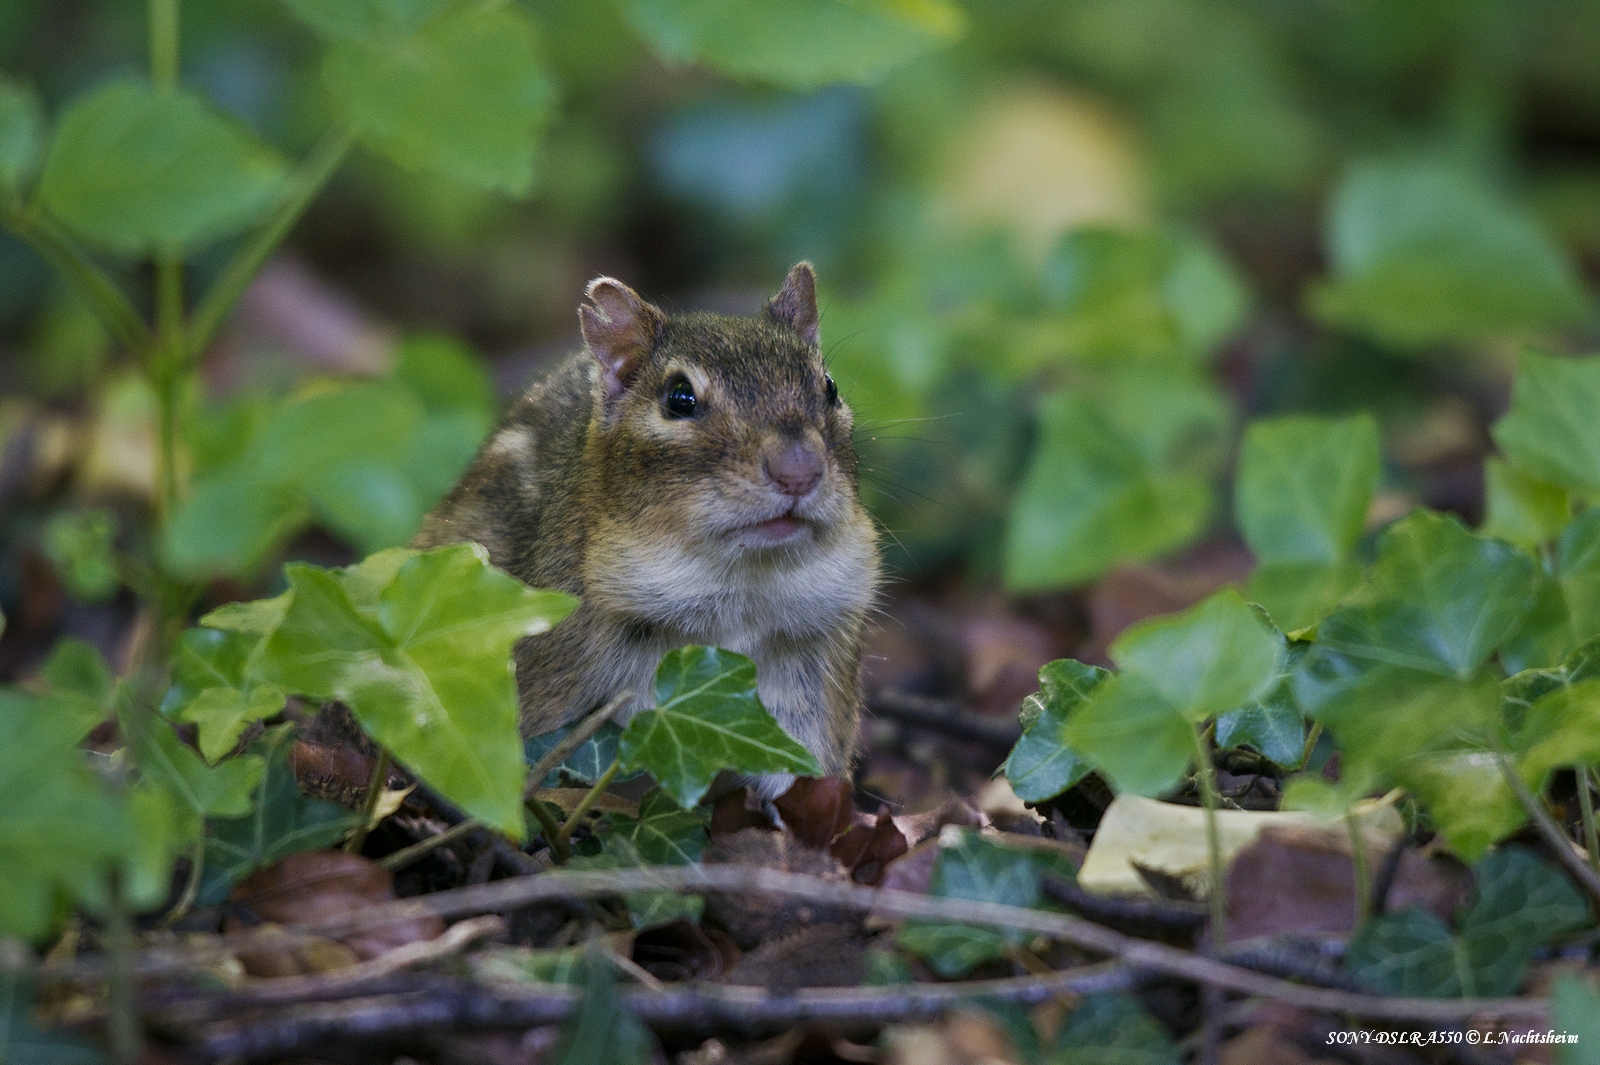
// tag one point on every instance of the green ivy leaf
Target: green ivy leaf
(970, 866)
(81, 545)
(366, 20)
(21, 132)
(1550, 430)
(796, 44)
(1132, 734)
(418, 646)
(1578, 569)
(1304, 485)
(1520, 903)
(1272, 723)
(663, 834)
(60, 831)
(1119, 475)
(215, 687)
(140, 171)
(78, 686)
(1112, 1030)
(1520, 507)
(1042, 765)
(1438, 599)
(1424, 253)
(1546, 632)
(1218, 654)
(281, 822)
(260, 617)
(588, 761)
(708, 718)
(1298, 595)
(201, 791)
(465, 96)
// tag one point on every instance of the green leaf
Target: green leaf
(465, 96)
(21, 131)
(60, 831)
(366, 20)
(1546, 632)
(708, 718)
(1271, 723)
(1217, 655)
(1438, 599)
(1120, 295)
(588, 761)
(1132, 734)
(1118, 476)
(81, 544)
(796, 44)
(1112, 1030)
(604, 1032)
(139, 171)
(1467, 796)
(1520, 903)
(1042, 765)
(1424, 253)
(1575, 1012)
(78, 686)
(1298, 595)
(646, 909)
(260, 617)
(1520, 507)
(1550, 430)
(281, 822)
(215, 687)
(1578, 567)
(418, 646)
(204, 791)
(663, 833)
(1304, 485)
(972, 867)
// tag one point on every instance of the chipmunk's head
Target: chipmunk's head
(723, 436)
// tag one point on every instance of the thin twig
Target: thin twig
(1142, 954)
(369, 805)
(564, 833)
(1166, 915)
(1553, 834)
(344, 983)
(945, 716)
(402, 858)
(581, 731)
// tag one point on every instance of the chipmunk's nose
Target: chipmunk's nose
(794, 466)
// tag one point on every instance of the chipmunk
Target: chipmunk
(692, 478)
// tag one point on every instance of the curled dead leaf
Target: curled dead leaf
(816, 809)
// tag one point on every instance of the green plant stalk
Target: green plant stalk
(565, 832)
(1311, 744)
(313, 173)
(168, 370)
(164, 44)
(1584, 873)
(551, 831)
(380, 776)
(109, 303)
(121, 1004)
(1591, 838)
(191, 887)
(1217, 896)
(1363, 869)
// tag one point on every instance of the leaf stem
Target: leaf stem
(402, 858)
(120, 1000)
(552, 834)
(109, 303)
(1591, 839)
(1217, 896)
(236, 276)
(164, 44)
(565, 832)
(1552, 832)
(1360, 862)
(1311, 744)
(191, 887)
(380, 777)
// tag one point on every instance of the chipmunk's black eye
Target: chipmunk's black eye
(679, 400)
(832, 390)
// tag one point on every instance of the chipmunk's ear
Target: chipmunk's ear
(795, 305)
(621, 330)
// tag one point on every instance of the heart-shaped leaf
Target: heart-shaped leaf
(1042, 765)
(1304, 485)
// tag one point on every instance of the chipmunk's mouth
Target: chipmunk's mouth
(783, 529)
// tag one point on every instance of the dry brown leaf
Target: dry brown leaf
(866, 852)
(816, 809)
